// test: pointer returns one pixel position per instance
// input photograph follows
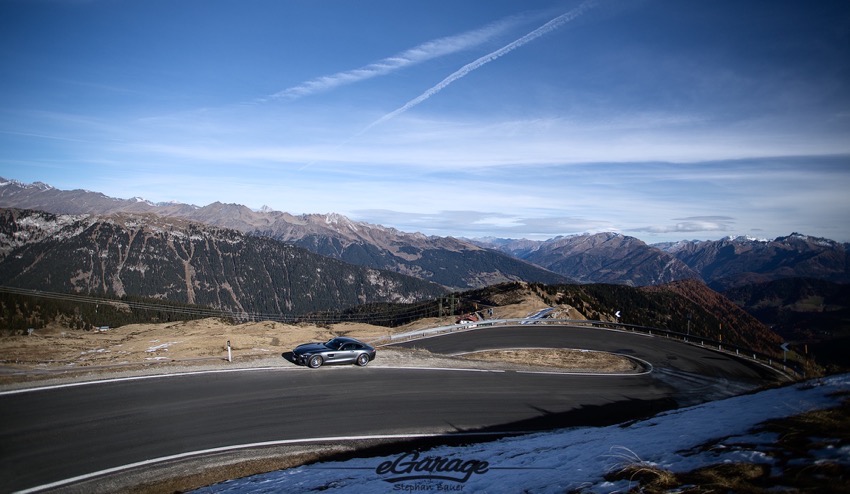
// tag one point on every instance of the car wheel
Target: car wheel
(315, 362)
(362, 359)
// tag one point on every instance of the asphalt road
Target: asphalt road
(51, 435)
(696, 374)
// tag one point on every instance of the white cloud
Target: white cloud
(695, 224)
(530, 223)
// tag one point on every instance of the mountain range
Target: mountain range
(453, 263)
(732, 262)
(599, 258)
(722, 264)
(464, 264)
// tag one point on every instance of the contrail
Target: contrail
(550, 26)
(418, 54)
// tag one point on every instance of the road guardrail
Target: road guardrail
(765, 359)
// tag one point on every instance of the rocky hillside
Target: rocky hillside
(447, 261)
(181, 261)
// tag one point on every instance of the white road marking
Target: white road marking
(137, 378)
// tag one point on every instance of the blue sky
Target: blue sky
(660, 119)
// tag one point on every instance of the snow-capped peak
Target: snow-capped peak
(337, 220)
(42, 186)
(746, 238)
(35, 185)
(142, 200)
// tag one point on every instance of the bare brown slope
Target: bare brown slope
(734, 324)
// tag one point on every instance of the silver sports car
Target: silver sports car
(339, 350)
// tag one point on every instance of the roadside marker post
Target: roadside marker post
(229, 354)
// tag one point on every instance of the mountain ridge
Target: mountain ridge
(459, 263)
(736, 261)
(601, 258)
(183, 261)
(331, 235)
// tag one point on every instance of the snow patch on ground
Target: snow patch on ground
(572, 459)
(163, 346)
